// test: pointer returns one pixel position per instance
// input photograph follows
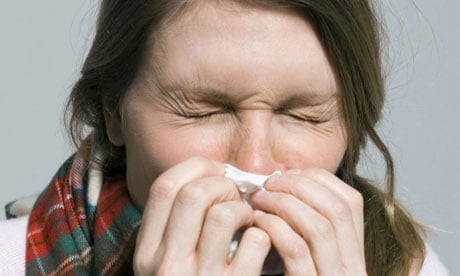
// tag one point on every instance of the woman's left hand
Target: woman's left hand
(315, 222)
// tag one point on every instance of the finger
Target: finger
(189, 210)
(221, 223)
(291, 247)
(352, 196)
(251, 253)
(313, 227)
(335, 208)
(161, 198)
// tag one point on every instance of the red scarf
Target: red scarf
(83, 223)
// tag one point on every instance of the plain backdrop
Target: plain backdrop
(43, 44)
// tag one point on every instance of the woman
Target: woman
(173, 91)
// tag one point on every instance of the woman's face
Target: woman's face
(242, 85)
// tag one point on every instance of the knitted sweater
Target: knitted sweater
(13, 246)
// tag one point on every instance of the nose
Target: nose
(253, 145)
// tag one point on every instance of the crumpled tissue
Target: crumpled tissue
(247, 183)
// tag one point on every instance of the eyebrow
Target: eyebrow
(311, 98)
(197, 94)
(215, 96)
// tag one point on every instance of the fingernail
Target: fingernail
(272, 178)
(258, 213)
(257, 194)
(219, 165)
(296, 171)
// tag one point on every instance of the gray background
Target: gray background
(43, 44)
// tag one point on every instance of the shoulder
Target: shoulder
(13, 246)
(431, 264)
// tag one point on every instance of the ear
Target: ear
(113, 125)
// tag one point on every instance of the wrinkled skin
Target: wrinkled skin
(252, 87)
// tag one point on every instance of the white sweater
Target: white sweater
(13, 248)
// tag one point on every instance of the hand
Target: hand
(315, 222)
(190, 217)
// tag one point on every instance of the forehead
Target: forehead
(231, 46)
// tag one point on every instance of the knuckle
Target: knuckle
(221, 215)
(296, 250)
(322, 175)
(340, 211)
(198, 159)
(158, 263)
(166, 187)
(316, 173)
(284, 201)
(258, 237)
(165, 267)
(323, 229)
(356, 200)
(199, 163)
(191, 194)
(141, 265)
(163, 187)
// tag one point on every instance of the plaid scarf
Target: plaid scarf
(83, 223)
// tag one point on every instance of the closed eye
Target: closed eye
(309, 119)
(206, 114)
(302, 117)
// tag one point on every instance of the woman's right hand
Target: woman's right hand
(189, 220)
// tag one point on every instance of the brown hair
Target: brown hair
(350, 34)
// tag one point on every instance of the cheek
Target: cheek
(312, 150)
(150, 152)
(166, 152)
(321, 155)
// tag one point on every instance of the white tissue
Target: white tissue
(248, 183)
